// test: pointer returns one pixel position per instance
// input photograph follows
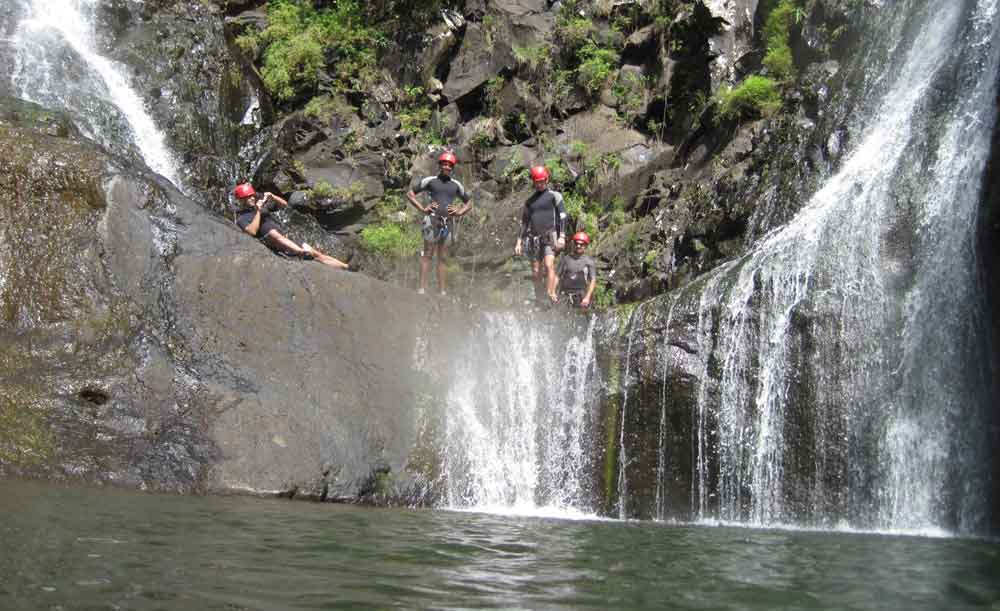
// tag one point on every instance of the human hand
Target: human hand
(432, 207)
(585, 303)
(517, 249)
(453, 210)
(560, 243)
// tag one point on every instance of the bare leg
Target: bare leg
(550, 281)
(425, 264)
(536, 278)
(442, 266)
(326, 259)
(283, 243)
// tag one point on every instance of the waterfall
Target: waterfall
(662, 450)
(864, 309)
(520, 420)
(623, 460)
(57, 65)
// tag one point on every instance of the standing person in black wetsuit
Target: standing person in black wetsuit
(543, 233)
(576, 274)
(254, 218)
(439, 221)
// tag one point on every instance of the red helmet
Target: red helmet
(244, 190)
(581, 236)
(449, 157)
(539, 173)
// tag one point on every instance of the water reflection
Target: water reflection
(68, 547)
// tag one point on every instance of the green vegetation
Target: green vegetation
(573, 31)
(324, 190)
(778, 53)
(25, 437)
(534, 59)
(630, 92)
(603, 297)
(491, 94)
(596, 66)
(324, 108)
(388, 239)
(611, 428)
(300, 40)
(755, 97)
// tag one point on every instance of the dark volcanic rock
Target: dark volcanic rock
(150, 343)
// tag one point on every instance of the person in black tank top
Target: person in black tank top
(254, 218)
(439, 217)
(543, 233)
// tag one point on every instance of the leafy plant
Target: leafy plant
(778, 53)
(573, 31)
(532, 58)
(630, 92)
(412, 120)
(491, 94)
(603, 297)
(322, 189)
(596, 65)
(324, 108)
(300, 41)
(390, 239)
(757, 96)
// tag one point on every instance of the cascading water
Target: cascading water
(520, 421)
(864, 310)
(57, 65)
(840, 372)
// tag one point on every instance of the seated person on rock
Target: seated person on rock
(254, 218)
(576, 274)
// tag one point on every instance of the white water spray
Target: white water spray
(838, 260)
(42, 74)
(518, 422)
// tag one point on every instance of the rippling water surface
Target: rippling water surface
(67, 547)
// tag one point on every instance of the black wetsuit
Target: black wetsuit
(543, 216)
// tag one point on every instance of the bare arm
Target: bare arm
(522, 232)
(410, 195)
(279, 200)
(585, 302)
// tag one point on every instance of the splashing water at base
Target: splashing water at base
(519, 423)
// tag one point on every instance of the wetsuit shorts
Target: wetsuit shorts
(539, 247)
(438, 230)
(267, 224)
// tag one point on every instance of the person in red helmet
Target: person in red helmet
(543, 233)
(576, 276)
(254, 218)
(438, 230)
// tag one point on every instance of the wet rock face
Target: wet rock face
(736, 38)
(989, 242)
(150, 343)
(195, 89)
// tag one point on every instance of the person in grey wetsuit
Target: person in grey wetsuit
(576, 275)
(438, 229)
(543, 233)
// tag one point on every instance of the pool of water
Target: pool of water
(71, 547)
